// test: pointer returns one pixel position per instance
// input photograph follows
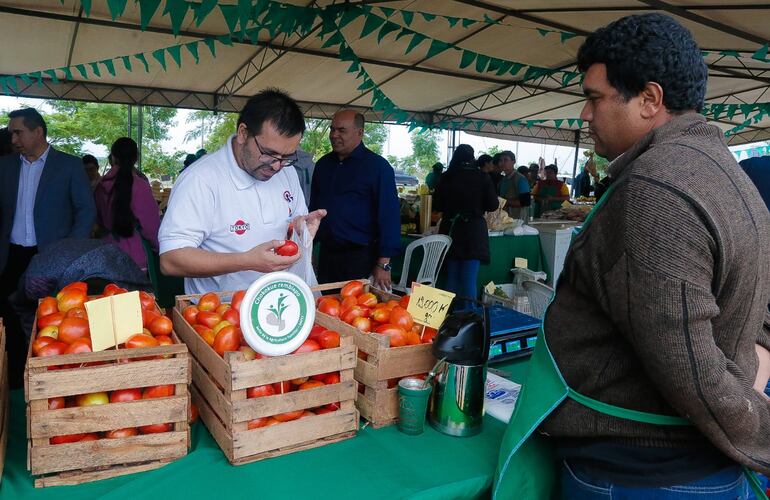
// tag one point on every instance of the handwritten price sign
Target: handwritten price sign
(429, 306)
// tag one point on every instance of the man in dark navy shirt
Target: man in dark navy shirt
(357, 187)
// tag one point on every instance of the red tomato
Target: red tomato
(220, 325)
(70, 299)
(209, 302)
(330, 306)
(54, 319)
(307, 413)
(68, 438)
(206, 333)
(140, 340)
(354, 312)
(54, 348)
(158, 391)
(363, 324)
(289, 415)
(380, 314)
(76, 286)
(412, 338)
(156, 428)
(347, 303)
(146, 300)
(76, 312)
(311, 384)
(78, 346)
(282, 387)
(92, 399)
(428, 335)
(391, 304)
(91, 436)
(401, 318)
(47, 306)
(110, 289)
(148, 316)
(161, 326)
(71, 329)
(308, 345)
(228, 339)
(367, 299)
(397, 335)
(190, 313)
(329, 339)
(332, 378)
(56, 403)
(222, 308)
(49, 331)
(316, 331)
(352, 289)
(121, 433)
(258, 422)
(323, 410)
(288, 249)
(41, 342)
(299, 381)
(124, 395)
(208, 318)
(232, 316)
(260, 390)
(164, 340)
(193, 412)
(404, 302)
(235, 303)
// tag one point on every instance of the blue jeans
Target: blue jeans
(729, 484)
(461, 277)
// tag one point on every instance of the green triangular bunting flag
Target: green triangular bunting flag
(230, 14)
(467, 58)
(116, 8)
(82, 70)
(52, 75)
(176, 54)
(408, 17)
(126, 62)
(203, 9)
(436, 48)
(372, 23)
(416, 40)
(95, 69)
(387, 28)
(147, 9)
(143, 60)
(160, 56)
(192, 48)
(110, 65)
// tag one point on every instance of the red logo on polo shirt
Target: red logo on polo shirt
(239, 227)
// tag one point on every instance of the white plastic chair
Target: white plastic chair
(435, 248)
(538, 295)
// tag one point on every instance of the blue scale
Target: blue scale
(511, 334)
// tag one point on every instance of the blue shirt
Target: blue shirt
(359, 194)
(758, 170)
(23, 231)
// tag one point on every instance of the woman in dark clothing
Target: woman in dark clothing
(463, 194)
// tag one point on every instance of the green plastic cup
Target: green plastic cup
(412, 405)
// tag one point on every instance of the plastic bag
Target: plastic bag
(304, 266)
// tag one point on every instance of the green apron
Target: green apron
(527, 468)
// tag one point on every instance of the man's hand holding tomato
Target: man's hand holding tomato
(265, 258)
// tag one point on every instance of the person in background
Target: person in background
(6, 144)
(549, 193)
(433, 177)
(357, 188)
(513, 187)
(524, 170)
(305, 167)
(534, 175)
(582, 184)
(91, 165)
(127, 212)
(758, 170)
(464, 194)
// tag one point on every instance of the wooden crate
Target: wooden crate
(377, 403)
(80, 462)
(4, 393)
(219, 391)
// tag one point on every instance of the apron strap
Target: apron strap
(626, 413)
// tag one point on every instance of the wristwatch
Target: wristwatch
(385, 267)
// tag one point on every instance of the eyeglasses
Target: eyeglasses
(271, 159)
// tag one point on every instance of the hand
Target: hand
(381, 278)
(763, 369)
(313, 221)
(262, 258)
(591, 166)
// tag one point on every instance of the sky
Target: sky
(398, 143)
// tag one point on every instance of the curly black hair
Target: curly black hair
(649, 48)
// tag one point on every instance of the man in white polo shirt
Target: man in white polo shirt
(230, 210)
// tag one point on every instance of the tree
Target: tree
(601, 164)
(316, 138)
(491, 151)
(424, 153)
(214, 128)
(375, 135)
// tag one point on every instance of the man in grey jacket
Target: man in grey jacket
(664, 295)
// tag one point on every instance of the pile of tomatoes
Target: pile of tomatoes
(362, 310)
(219, 325)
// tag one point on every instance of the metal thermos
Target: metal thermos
(456, 404)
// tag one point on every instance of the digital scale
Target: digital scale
(511, 334)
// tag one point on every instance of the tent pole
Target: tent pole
(139, 134)
(130, 124)
(574, 164)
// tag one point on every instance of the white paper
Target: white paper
(500, 397)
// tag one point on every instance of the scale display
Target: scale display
(512, 334)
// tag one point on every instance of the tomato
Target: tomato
(367, 299)
(121, 433)
(282, 387)
(288, 249)
(77, 312)
(235, 302)
(330, 306)
(380, 314)
(401, 318)
(147, 301)
(307, 413)
(260, 390)
(91, 436)
(67, 438)
(70, 299)
(308, 345)
(354, 312)
(124, 395)
(208, 318)
(47, 306)
(190, 313)
(347, 303)
(71, 329)
(41, 342)
(56, 403)
(206, 333)
(158, 391)
(49, 331)
(397, 335)
(209, 302)
(232, 316)
(54, 319)
(257, 423)
(140, 340)
(54, 348)
(161, 326)
(148, 316)
(331, 378)
(428, 335)
(412, 338)
(363, 324)
(329, 339)
(299, 381)
(78, 346)
(222, 309)
(404, 302)
(221, 325)
(92, 399)
(193, 413)
(326, 409)
(164, 340)
(288, 416)
(228, 339)
(156, 428)
(76, 286)
(352, 289)
(311, 384)
(110, 289)
(272, 421)
(249, 353)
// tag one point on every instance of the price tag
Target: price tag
(520, 262)
(429, 306)
(113, 319)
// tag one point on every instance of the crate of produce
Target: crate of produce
(96, 415)
(390, 345)
(260, 407)
(3, 399)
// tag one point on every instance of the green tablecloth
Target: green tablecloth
(502, 249)
(375, 464)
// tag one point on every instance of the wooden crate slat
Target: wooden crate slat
(213, 424)
(206, 386)
(405, 361)
(266, 406)
(271, 370)
(63, 457)
(75, 478)
(202, 352)
(51, 384)
(293, 433)
(108, 417)
(109, 355)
